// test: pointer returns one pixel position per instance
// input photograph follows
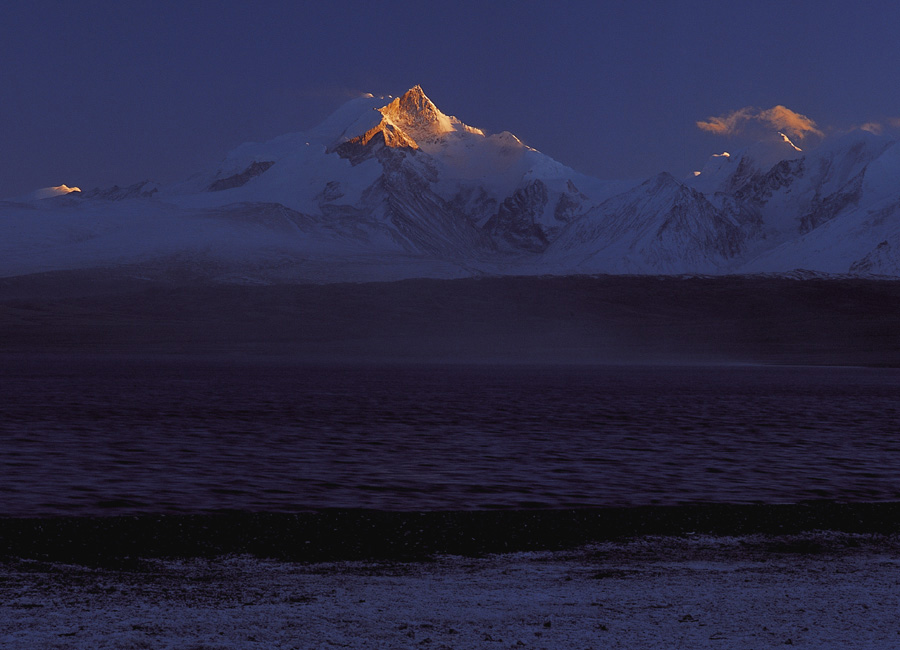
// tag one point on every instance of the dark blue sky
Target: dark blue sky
(96, 93)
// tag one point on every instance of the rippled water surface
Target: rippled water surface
(107, 437)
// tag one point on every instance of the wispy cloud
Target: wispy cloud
(779, 117)
(727, 124)
(873, 127)
(333, 92)
(879, 127)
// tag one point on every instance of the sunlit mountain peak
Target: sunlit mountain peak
(788, 140)
(410, 121)
(49, 192)
(416, 114)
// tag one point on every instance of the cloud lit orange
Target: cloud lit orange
(778, 117)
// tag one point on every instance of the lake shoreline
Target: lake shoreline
(358, 534)
(822, 590)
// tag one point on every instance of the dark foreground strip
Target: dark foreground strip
(370, 534)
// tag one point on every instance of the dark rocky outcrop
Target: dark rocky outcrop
(515, 222)
(238, 180)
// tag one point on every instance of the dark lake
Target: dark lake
(111, 436)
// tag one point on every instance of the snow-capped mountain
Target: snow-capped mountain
(661, 226)
(824, 210)
(404, 164)
(384, 188)
(389, 188)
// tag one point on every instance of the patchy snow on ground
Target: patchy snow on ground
(823, 590)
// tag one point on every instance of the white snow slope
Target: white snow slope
(390, 188)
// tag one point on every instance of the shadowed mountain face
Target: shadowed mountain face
(577, 319)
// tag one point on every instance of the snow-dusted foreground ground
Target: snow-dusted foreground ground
(819, 590)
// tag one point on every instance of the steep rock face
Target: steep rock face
(746, 214)
(237, 180)
(475, 203)
(142, 190)
(697, 225)
(751, 204)
(515, 224)
(729, 172)
(533, 216)
(799, 194)
(571, 204)
(331, 192)
(423, 221)
(410, 121)
(758, 188)
(827, 208)
(371, 143)
(660, 226)
(417, 115)
(883, 260)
